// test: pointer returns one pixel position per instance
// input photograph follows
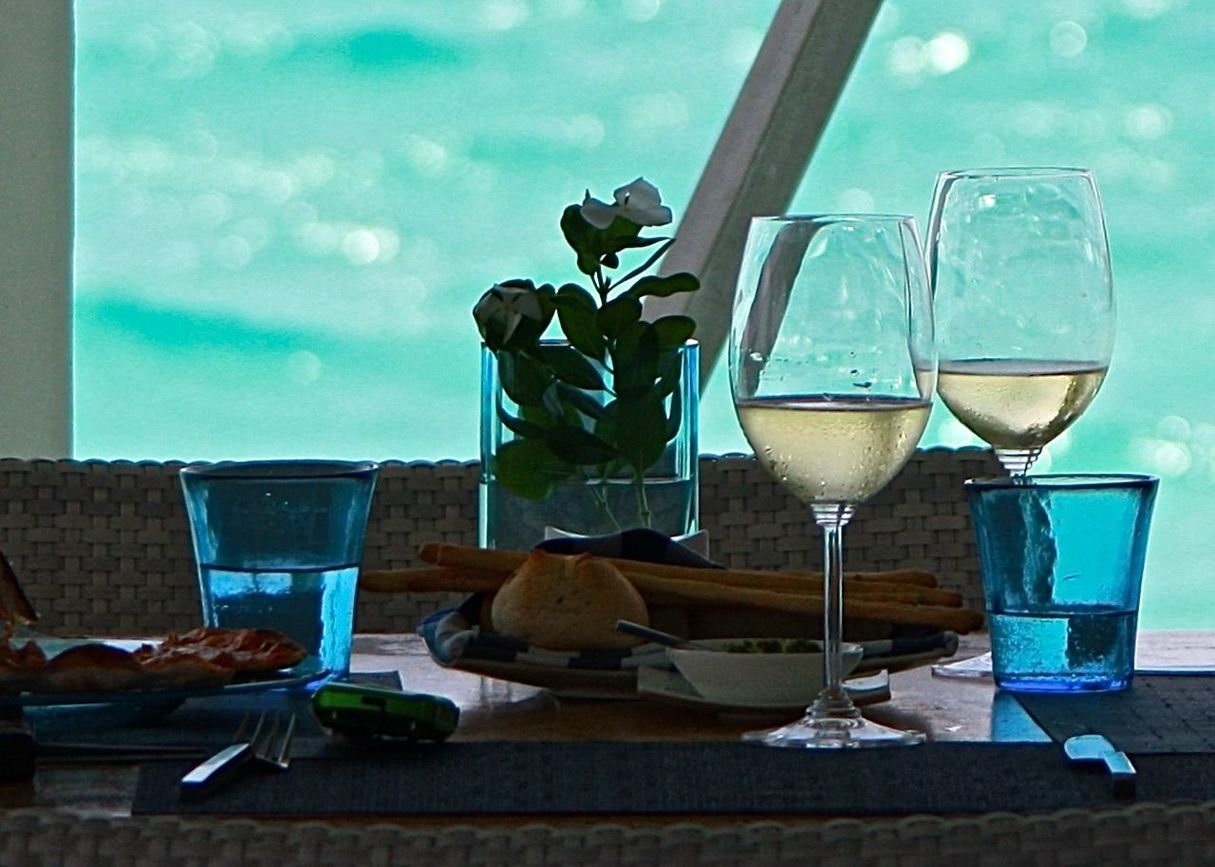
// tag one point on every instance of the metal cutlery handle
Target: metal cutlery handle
(216, 771)
(655, 635)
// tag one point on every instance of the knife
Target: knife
(217, 771)
(1097, 748)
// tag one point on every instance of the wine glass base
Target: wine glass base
(832, 733)
(1018, 461)
(974, 668)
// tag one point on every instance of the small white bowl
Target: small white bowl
(755, 678)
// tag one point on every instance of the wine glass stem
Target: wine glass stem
(833, 700)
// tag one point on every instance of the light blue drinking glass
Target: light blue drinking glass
(279, 545)
(1061, 558)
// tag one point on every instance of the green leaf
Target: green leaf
(581, 401)
(536, 414)
(528, 467)
(583, 238)
(635, 360)
(662, 287)
(523, 378)
(579, 446)
(637, 243)
(641, 427)
(571, 294)
(669, 371)
(620, 235)
(674, 331)
(675, 419)
(651, 259)
(588, 263)
(547, 295)
(570, 365)
(617, 315)
(520, 426)
(579, 234)
(605, 425)
(554, 406)
(576, 311)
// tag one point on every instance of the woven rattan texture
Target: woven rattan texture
(1139, 834)
(104, 548)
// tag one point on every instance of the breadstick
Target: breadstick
(486, 560)
(427, 579)
(430, 579)
(812, 585)
(861, 608)
(463, 556)
(906, 577)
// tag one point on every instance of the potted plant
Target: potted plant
(595, 430)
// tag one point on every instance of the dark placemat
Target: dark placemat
(514, 778)
(1157, 714)
(207, 722)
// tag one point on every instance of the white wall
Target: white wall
(35, 228)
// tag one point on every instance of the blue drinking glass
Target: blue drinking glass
(1061, 558)
(279, 545)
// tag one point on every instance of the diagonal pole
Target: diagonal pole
(761, 154)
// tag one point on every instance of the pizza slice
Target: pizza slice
(15, 606)
(19, 666)
(89, 668)
(245, 651)
(172, 669)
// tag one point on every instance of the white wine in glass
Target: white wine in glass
(832, 368)
(833, 449)
(1024, 303)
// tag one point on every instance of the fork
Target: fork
(263, 747)
(274, 750)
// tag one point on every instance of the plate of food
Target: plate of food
(159, 695)
(549, 620)
(158, 676)
(42, 671)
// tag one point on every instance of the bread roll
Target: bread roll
(567, 603)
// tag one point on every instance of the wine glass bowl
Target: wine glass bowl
(1023, 295)
(832, 369)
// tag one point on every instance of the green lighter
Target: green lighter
(364, 712)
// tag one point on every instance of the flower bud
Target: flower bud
(510, 315)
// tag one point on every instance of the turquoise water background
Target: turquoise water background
(285, 212)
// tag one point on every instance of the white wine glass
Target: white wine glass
(832, 368)
(1020, 269)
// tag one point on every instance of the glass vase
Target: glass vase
(591, 506)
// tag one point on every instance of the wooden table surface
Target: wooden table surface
(948, 709)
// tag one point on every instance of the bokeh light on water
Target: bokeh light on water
(286, 211)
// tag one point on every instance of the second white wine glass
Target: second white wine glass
(832, 368)
(1024, 300)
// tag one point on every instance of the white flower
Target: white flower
(639, 203)
(503, 308)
